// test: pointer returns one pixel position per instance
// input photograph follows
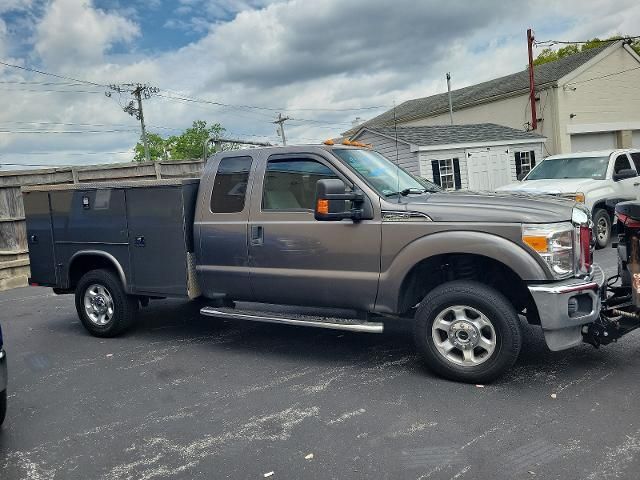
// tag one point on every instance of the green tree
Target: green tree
(156, 148)
(550, 55)
(190, 143)
(187, 145)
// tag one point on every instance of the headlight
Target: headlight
(554, 243)
(576, 197)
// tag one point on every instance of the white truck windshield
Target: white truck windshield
(574, 167)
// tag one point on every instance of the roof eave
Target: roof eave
(452, 146)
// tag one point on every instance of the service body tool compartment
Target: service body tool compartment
(145, 228)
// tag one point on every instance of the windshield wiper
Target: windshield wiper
(406, 192)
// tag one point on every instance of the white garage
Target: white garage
(585, 142)
(481, 156)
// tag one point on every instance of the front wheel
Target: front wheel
(602, 226)
(467, 332)
(102, 304)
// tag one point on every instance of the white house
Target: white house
(474, 156)
(587, 101)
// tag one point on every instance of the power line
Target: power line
(46, 90)
(65, 131)
(603, 76)
(41, 72)
(575, 42)
(73, 124)
(186, 98)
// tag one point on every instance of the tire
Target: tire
(602, 227)
(3, 406)
(112, 312)
(484, 317)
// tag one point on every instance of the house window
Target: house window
(446, 173)
(447, 180)
(525, 161)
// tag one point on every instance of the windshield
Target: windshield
(575, 167)
(383, 175)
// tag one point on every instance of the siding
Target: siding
(613, 99)
(387, 147)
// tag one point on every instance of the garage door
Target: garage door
(636, 138)
(585, 142)
(488, 169)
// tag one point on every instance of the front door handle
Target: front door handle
(257, 235)
(636, 184)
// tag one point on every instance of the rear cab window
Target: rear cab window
(230, 185)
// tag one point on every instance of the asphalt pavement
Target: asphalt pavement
(183, 396)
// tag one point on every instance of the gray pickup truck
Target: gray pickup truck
(330, 227)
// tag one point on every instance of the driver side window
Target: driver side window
(622, 163)
(290, 184)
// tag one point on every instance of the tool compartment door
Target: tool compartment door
(157, 240)
(40, 238)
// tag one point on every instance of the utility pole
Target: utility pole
(532, 85)
(450, 104)
(280, 122)
(140, 92)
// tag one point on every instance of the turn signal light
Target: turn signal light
(539, 244)
(322, 206)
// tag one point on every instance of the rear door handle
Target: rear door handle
(636, 184)
(257, 235)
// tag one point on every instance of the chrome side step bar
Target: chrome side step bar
(300, 320)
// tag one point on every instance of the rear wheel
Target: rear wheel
(102, 304)
(602, 226)
(467, 332)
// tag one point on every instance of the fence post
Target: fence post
(156, 166)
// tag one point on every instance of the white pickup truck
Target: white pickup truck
(597, 179)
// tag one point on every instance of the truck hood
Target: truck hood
(552, 186)
(489, 207)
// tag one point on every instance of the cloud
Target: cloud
(294, 55)
(75, 33)
(14, 5)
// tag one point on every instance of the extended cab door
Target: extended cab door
(298, 260)
(629, 188)
(222, 253)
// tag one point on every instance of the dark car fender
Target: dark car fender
(522, 262)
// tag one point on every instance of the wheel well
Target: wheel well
(436, 270)
(85, 263)
(603, 205)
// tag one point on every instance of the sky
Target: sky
(239, 63)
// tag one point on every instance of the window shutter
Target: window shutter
(456, 174)
(532, 155)
(435, 166)
(518, 164)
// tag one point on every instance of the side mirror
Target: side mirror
(331, 201)
(624, 174)
(521, 176)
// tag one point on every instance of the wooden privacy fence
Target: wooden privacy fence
(14, 258)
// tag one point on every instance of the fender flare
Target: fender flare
(510, 254)
(99, 253)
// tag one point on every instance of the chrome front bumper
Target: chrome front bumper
(565, 306)
(3, 371)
